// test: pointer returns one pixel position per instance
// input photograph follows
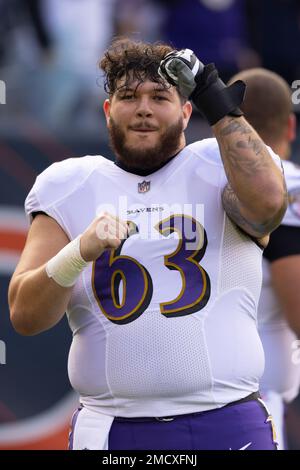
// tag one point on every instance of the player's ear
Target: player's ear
(106, 109)
(186, 112)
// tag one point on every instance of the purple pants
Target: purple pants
(244, 426)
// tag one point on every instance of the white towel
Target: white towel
(91, 430)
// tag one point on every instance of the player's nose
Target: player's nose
(143, 108)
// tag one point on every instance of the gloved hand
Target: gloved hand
(201, 83)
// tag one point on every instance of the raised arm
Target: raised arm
(41, 286)
(255, 198)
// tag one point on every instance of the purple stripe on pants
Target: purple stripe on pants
(72, 427)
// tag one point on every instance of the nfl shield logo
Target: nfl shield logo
(144, 186)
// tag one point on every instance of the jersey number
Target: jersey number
(112, 268)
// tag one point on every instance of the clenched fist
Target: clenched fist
(105, 232)
(202, 84)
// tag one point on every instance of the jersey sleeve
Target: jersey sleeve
(284, 241)
(52, 187)
(210, 151)
(292, 177)
(276, 159)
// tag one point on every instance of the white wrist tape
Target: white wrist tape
(66, 266)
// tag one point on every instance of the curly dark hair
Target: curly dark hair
(134, 60)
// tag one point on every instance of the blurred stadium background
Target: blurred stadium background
(51, 110)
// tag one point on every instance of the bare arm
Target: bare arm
(285, 274)
(255, 198)
(37, 302)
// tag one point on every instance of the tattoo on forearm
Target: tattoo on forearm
(242, 150)
(235, 126)
(237, 161)
(252, 144)
(232, 206)
(247, 164)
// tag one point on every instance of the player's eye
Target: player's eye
(128, 96)
(160, 97)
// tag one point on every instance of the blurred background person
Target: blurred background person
(50, 53)
(268, 107)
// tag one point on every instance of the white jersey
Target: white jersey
(281, 374)
(163, 326)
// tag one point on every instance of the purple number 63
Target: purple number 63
(112, 268)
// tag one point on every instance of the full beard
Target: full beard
(147, 158)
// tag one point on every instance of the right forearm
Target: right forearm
(36, 302)
(38, 298)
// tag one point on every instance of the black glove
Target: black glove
(201, 83)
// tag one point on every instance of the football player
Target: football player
(156, 258)
(268, 107)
